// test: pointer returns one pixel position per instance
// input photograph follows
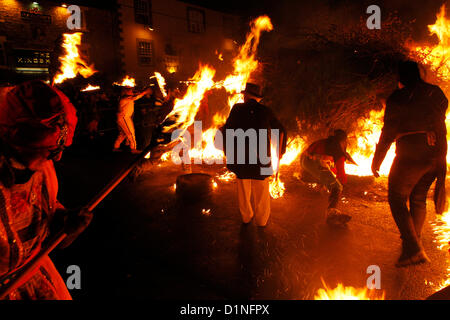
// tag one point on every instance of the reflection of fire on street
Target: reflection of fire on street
(441, 229)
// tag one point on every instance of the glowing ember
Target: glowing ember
(206, 212)
(227, 176)
(161, 83)
(441, 229)
(347, 293)
(90, 88)
(368, 134)
(71, 63)
(126, 82)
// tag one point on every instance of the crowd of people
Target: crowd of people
(37, 121)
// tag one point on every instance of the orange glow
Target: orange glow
(71, 63)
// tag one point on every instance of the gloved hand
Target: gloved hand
(75, 222)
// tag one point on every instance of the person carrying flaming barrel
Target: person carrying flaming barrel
(246, 159)
(415, 119)
(125, 118)
(37, 122)
(323, 162)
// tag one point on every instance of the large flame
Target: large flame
(161, 83)
(245, 63)
(362, 151)
(437, 57)
(185, 109)
(71, 63)
(347, 293)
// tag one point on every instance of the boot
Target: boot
(337, 218)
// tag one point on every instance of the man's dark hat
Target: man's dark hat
(253, 89)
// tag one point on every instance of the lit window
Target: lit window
(143, 12)
(145, 52)
(196, 20)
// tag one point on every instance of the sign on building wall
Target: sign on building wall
(36, 17)
(32, 58)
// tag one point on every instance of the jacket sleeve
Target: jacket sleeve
(388, 133)
(276, 124)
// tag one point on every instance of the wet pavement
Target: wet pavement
(145, 244)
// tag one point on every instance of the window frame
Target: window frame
(147, 13)
(203, 25)
(141, 55)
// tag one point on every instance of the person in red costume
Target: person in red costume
(37, 122)
(323, 162)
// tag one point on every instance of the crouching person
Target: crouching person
(323, 162)
(36, 122)
(244, 150)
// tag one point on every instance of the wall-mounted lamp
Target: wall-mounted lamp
(35, 3)
(151, 29)
(64, 5)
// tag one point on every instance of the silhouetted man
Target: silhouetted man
(252, 182)
(415, 120)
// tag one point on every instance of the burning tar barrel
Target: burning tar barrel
(194, 187)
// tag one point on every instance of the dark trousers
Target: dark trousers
(410, 180)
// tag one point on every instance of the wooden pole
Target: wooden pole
(19, 277)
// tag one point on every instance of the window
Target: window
(145, 52)
(143, 12)
(196, 20)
